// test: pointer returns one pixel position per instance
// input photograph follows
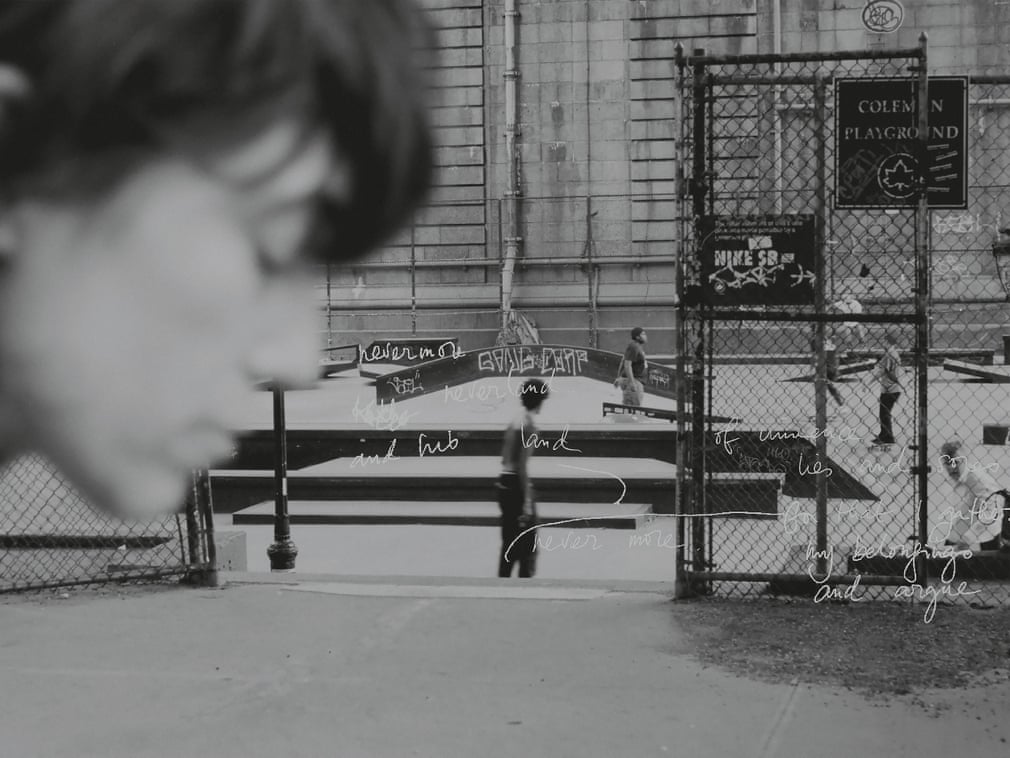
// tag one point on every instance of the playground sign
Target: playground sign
(756, 260)
(877, 140)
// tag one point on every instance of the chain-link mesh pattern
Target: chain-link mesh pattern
(50, 536)
(801, 339)
(969, 393)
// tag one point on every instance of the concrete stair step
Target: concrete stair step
(473, 513)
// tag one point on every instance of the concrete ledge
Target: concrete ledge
(232, 554)
(289, 578)
(482, 513)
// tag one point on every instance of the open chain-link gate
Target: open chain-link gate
(798, 349)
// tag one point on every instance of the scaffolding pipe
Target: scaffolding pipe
(513, 184)
(776, 96)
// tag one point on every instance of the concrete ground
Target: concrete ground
(314, 665)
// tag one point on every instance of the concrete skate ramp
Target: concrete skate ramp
(520, 362)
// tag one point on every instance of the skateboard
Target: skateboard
(882, 446)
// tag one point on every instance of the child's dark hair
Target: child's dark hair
(533, 393)
(110, 78)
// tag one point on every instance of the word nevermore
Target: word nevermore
(392, 352)
(573, 541)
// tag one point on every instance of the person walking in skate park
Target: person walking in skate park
(516, 497)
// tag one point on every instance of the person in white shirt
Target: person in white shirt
(980, 516)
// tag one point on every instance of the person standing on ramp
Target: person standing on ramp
(631, 372)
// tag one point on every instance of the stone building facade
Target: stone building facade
(575, 178)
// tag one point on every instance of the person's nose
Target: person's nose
(287, 342)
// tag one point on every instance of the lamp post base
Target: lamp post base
(282, 555)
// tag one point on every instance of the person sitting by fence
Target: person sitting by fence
(170, 172)
(980, 520)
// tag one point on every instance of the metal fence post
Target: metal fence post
(820, 307)
(699, 185)
(282, 552)
(922, 308)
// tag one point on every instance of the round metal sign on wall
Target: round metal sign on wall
(883, 16)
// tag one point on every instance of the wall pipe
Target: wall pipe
(465, 263)
(592, 272)
(513, 185)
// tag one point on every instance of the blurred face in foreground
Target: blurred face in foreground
(133, 326)
(169, 170)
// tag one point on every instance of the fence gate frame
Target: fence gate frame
(697, 572)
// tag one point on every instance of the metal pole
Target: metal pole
(591, 273)
(820, 385)
(699, 189)
(413, 283)
(329, 309)
(513, 184)
(282, 552)
(205, 505)
(682, 588)
(193, 522)
(922, 299)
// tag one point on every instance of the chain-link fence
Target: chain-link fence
(809, 320)
(50, 536)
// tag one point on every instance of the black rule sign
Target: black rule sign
(756, 260)
(877, 143)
